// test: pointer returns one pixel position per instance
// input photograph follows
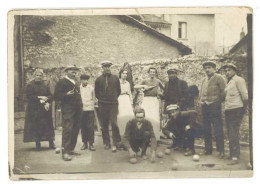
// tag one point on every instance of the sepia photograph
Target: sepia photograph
(130, 93)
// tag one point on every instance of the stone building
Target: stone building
(57, 41)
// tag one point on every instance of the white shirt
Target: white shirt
(87, 97)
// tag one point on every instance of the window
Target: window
(182, 30)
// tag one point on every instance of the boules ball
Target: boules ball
(57, 151)
(167, 151)
(174, 166)
(133, 160)
(159, 154)
(196, 158)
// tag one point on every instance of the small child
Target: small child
(87, 119)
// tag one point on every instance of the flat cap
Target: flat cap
(230, 65)
(209, 63)
(71, 67)
(172, 70)
(172, 107)
(106, 63)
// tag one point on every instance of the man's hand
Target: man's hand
(71, 92)
(172, 136)
(153, 156)
(187, 127)
(131, 153)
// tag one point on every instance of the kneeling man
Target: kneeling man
(180, 128)
(139, 134)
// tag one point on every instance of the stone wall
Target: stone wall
(56, 41)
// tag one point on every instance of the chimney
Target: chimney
(242, 34)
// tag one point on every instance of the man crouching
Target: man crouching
(180, 128)
(139, 134)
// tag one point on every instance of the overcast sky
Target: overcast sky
(228, 27)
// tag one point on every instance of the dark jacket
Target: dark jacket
(176, 92)
(107, 88)
(62, 87)
(132, 132)
(178, 124)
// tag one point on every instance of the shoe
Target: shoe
(38, 145)
(233, 161)
(144, 157)
(189, 153)
(84, 146)
(207, 153)
(92, 148)
(52, 145)
(114, 149)
(221, 155)
(66, 157)
(74, 153)
(107, 146)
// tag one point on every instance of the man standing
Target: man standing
(139, 134)
(181, 132)
(67, 91)
(107, 91)
(87, 119)
(211, 96)
(235, 104)
(176, 90)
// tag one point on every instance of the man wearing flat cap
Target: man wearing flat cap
(236, 101)
(211, 96)
(67, 92)
(176, 90)
(181, 132)
(107, 91)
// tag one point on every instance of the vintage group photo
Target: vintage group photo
(136, 93)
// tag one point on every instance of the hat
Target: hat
(230, 65)
(106, 63)
(172, 70)
(71, 67)
(209, 63)
(172, 107)
(38, 70)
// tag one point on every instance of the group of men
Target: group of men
(78, 101)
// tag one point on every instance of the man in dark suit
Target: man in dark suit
(107, 91)
(176, 90)
(67, 92)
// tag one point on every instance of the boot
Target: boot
(38, 145)
(52, 145)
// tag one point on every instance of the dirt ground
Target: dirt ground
(28, 160)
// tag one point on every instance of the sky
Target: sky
(228, 27)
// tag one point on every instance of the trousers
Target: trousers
(87, 127)
(233, 121)
(71, 116)
(108, 113)
(212, 116)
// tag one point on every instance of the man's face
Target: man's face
(71, 74)
(139, 116)
(38, 76)
(84, 82)
(106, 68)
(172, 75)
(152, 73)
(209, 70)
(230, 72)
(174, 113)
